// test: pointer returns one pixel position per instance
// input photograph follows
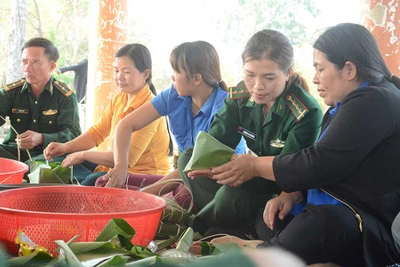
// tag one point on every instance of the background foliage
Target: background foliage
(161, 25)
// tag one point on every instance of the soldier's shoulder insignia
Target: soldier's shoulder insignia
(239, 91)
(63, 88)
(14, 85)
(296, 106)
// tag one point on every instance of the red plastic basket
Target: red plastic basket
(46, 214)
(12, 171)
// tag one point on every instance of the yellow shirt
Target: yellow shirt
(149, 147)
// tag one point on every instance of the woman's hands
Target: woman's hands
(280, 205)
(73, 159)
(116, 177)
(239, 170)
(54, 150)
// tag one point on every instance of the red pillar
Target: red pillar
(383, 20)
(108, 32)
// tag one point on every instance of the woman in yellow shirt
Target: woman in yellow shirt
(149, 147)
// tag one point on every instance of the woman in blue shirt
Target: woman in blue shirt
(196, 95)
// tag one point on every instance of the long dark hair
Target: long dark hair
(275, 46)
(198, 57)
(141, 56)
(352, 42)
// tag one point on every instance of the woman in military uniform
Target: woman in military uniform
(275, 114)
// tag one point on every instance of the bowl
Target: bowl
(12, 171)
(50, 213)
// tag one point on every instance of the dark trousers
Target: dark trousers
(325, 233)
(224, 206)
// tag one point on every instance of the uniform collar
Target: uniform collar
(49, 86)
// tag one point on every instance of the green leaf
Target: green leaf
(82, 247)
(63, 173)
(69, 255)
(215, 249)
(161, 244)
(208, 152)
(34, 259)
(174, 253)
(125, 242)
(150, 261)
(142, 252)
(207, 248)
(115, 227)
(186, 240)
(114, 261)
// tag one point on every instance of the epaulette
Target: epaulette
(238, 91)
(14, 85)
(296, 106)
(63, 88)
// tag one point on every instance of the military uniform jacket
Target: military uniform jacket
(292, 123)
(54, 114)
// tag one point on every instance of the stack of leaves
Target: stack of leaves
(174, 222)
(114, 248)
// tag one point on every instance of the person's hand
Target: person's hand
(73, 159)
(54, 150)
(29, 139)
(239, 170)
(115, 177)
(198, 173)
(280, 205)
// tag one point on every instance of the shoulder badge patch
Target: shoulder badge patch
(14, 85)
(238, 91)
(63, 88)
(296, 106)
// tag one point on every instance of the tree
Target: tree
(16, 39)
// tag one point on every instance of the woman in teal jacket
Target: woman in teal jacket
(275, 115)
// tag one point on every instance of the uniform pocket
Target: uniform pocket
(19, 121)
(48, 123)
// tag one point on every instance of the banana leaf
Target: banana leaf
(208, 152)
(174, 213)
(167, 230)
(42, 172)
(113, 253)
(186, 240)
(35, 259)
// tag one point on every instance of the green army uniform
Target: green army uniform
(54, 114)
(292, 123)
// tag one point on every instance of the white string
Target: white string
(18, 148)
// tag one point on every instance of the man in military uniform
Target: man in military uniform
(41, 109)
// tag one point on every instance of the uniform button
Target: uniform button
(36, 102)
(18, 120)
(281, 107)
(34, 121)
(50, 122)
